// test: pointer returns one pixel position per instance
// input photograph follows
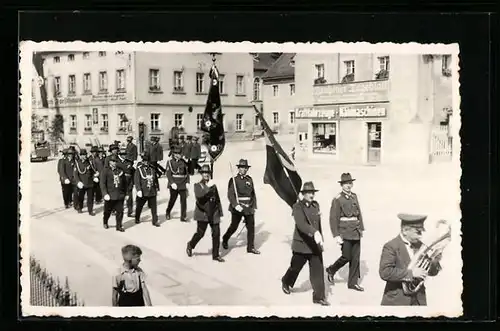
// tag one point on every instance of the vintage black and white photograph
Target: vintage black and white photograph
(240, 179)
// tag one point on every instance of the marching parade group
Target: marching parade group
(112, 178)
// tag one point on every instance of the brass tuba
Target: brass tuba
(429, 253)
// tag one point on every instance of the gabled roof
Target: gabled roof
(263, 61)
(282, 68)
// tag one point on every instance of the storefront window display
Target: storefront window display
(324, 138)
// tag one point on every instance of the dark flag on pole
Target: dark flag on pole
(40, 79)
(213, 117)
(280, 172)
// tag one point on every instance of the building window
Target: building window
(291, 117)
(374, 135)
(103, 81)
(221, 84)
(179, 120)
(240, 86)
(45, 123)
(320, 70)
(104, 122)
(72, 84)
(57, 84)
(155, 122)
(446, 61)
(95, 116)
(154, 79)
(276, 90)
(88, 121)
(178, 81)
(292, 89)
(122, 122)
(384, 63)
(72, 122)
(86, 55)
(200, 82)
(120, 80)
(349, 67)
(324, 138)
(71, 57)
(199, 121)
(102, 54)
(239, 122)
(87, 85)
(256, 89)
(256, 120)
(57, 59)
(276, 117)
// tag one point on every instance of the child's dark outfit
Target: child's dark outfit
(129, 282)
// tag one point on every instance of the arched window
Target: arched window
(256, 88)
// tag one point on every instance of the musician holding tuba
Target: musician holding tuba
(406, 262)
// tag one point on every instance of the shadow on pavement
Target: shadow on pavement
(343, 273)
(260, 239)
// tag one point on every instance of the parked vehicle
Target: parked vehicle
(40, 149)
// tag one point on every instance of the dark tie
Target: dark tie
(415, 248)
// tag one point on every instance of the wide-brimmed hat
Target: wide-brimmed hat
(83, 152)
(204, 169)
(70, 151)
(94, 149)
(176, 150)
(346, 178)
(101, 150)
(112, 147)
(308, 187)
(113, 158)
(413, 220)
(242, 163)
(130, 138)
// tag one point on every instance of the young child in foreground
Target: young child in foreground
(129, 286)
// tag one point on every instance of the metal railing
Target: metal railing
(47, 290)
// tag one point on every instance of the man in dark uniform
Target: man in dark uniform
(396, 257)
(113, 150)
(242, 204)
(186, 152)
(147, 187)
(208, 211)
(73, 154)
(102, 154)
(195, 155)
(346, 224)
(307, 245)
(97, 165)
(128, 169)
(114, 188)
(84, 175)
(131, 149)
(65, 167)
(178, 178)
(155, 152)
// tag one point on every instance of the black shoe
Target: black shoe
(156, 224)
(120, 229)
(184, 220)
(218, 259)
(79, 211)
(322, 302)
(286, 288)
(189, 249)
(105, 226)
(138, 221)
(91, 213)
(225, 244)
(167, 216)
(330, 276)
(253, 251)
(130, 215)
(67, 206)
(356, 288)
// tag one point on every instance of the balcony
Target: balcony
(122, 130)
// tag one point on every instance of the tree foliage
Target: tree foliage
(56, 129)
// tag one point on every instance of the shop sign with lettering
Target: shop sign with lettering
(85, 100)
(371, 91)
(335, 112)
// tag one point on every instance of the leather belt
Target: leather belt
(179, 176)
(347, 219)
(245, 198)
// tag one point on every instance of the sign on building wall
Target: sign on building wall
(372, 91)
(344, 111)
(89, 100)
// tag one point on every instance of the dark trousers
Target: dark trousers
(193, 165)
(74, 195)
(152, 204)
(130, 203)
(173, 199)
(316, 274)
(97, 192)
(235, 222)
(67, 193)
(135, 299)
(90, 198)
(113, 205)
(351, 250)
(200, 232)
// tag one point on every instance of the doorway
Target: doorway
(374, 142)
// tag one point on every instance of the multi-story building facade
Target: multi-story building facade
(373, 108)
(279, 95)
(104, 95)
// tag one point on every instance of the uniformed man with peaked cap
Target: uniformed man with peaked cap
(178, 179)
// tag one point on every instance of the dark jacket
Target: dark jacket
(145, 180)
(393, 270)
(97, 163)
(116, 190)
(155, 152)
(246, 194)
(195, 151)
(65, 169)
(346, 220)
(177, 172)
(186, 150)
(307, 218)
(207, 203)
(131, 150)
(129, 170)
(83, 173)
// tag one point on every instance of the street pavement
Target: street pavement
(76, 245)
